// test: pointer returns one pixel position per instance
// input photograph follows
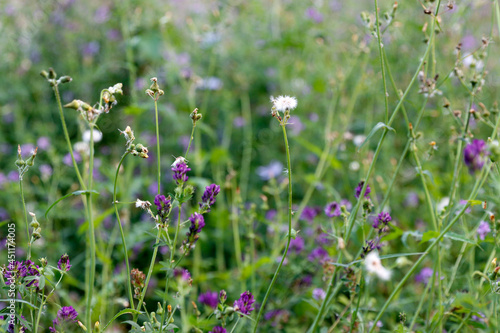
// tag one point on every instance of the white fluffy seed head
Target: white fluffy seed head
(374, 265)
(282, 103)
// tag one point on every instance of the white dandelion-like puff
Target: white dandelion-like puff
(282, 103)
(374, 265)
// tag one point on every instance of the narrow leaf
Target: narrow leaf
(373, 131)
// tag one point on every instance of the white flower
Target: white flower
(97, 136)
(142, 204)
(374, 265)
(441, 206)
(282, 103)
(178, 160)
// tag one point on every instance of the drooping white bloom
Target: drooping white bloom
(282, 103)
(142, 204)
(374, 265)
(178, 160)
(97, 136)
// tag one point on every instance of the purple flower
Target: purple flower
(182, 273)
(424, 275)
(297, 244)
(239, 122)
(101, 14)
(208, 198)
(318, 294)
(318, 253)
(218, 329)
(67, 158)
(163, 206)
(323, 239)
(66, 314)
(332, 209)
(483, 229)
(45, 170)
(360, 187)
(90, 49)
(314, 15)
(197, 223)
(295, 125)
(273, 170)
(346, 203)
(43, 143)
(382, 220)
(244, 304)
(180, 169)
(411, 200)
(63, 263)
(308, 214)
(271, 214)
(210, 298)
(464, 202)
(474, 155)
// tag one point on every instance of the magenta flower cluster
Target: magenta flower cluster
(180, 170)
(65, 315)
(475, 155)
(197, 223)
(244, 303)
(208, 198)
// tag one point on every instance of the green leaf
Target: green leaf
(19, 301)
(475, 202)
(122, 312)
(374, 130)
(67, 196)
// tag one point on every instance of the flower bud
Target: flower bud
(45, 74)
(52, 73)
(64, 79)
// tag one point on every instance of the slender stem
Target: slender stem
(379, 42)
(419, 307)
(66, 136)
(158, 156)
(91, 232)
(125, 251)
(289, 238)
(247, 147)
(190, 139)
(28, 240)
(43, 301)
(237, 321)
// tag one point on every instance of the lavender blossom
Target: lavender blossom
(474, 155)
(244, 303)
(180, 169)
(63, 263)
(332, 209)
(360, 187)
(197, 223)
(208, 198)
(483, 229)
(210, 298)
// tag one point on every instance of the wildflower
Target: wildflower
(277, 317)
(97, 136)
(297, 244)
(360, 187)
(208, 198)
(163, 206)
(374, 265)
(244, 303)
(382, 220)
(284, 103)
(65, 315)
(63, 263)
(483, 229)
(318, 253)
(180, 169)
(182, 273)
(332, 209)
(142, 204)
(197, 223)
(474, 155)
(218, 329)
(210, 298)
(318, 294)
(308, 214)
(137, 279)
(273, 170)
(314, 15)
(424, 275)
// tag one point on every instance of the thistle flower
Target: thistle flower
(63, 263)
(474, 155)
(244, 303)
(332, 209)
(483, 229)
(208, 198)
(180, 169)
(197, 223)
(360, 187)
(210, 298)
(374, 266)
(284, 103)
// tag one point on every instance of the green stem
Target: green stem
(236, 324)
(379, 42)
(66, 136)
(158, 156)
(289, 238)
(28, 240)
(420, 305)
(42, 303)
(190, 139)
(91, 232)
(125, 251)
